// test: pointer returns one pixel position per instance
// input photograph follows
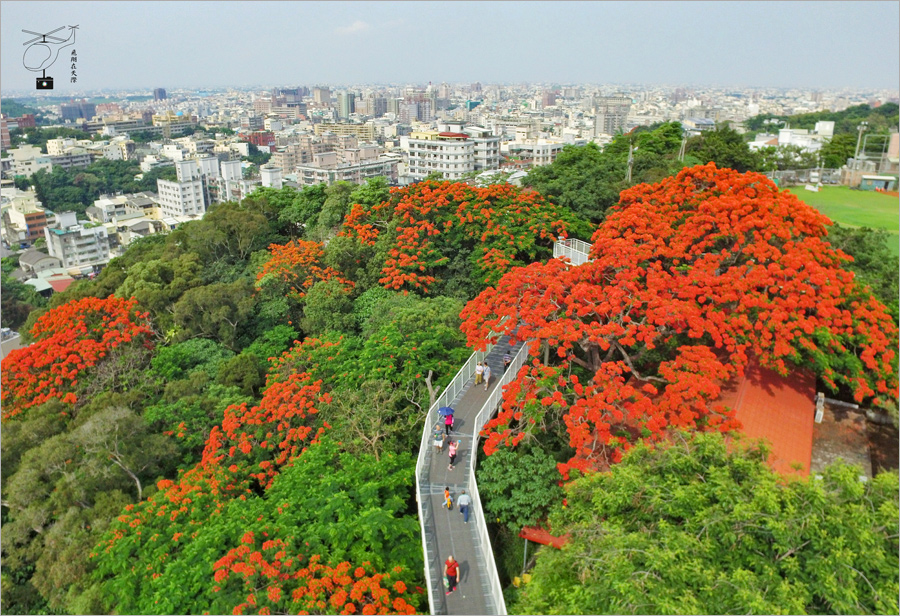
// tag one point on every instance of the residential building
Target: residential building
(75, 243)
(450, 153)
(366, 131)
(106, 209)
(329, 171)
(24, 218)
(487, 147)
(28, 159)
(610, 114)
(188, 196)
(322, 96)
(5, 139)
(271, 176)
(34, 261)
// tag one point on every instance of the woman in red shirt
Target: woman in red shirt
(451, 569)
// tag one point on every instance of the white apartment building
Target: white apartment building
(358, 172)
(537, 152)
(271, 176)
(28, 159)
(186, 196)
(450, 153)
(487, 147)
(181, 198)
(76, 244)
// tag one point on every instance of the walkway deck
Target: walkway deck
(446, 528)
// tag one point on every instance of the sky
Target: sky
(139, 45)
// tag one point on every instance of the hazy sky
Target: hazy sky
(209, 44)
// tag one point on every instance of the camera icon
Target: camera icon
(44, 83)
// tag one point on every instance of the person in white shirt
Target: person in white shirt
(487, 375)
(479, 371)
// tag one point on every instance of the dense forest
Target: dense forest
(226, 418)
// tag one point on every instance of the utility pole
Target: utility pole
(863, 126)
(630, 163)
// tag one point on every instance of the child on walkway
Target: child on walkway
(448, 500)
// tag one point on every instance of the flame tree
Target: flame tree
(690, 277)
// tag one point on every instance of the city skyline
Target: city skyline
(210, 45)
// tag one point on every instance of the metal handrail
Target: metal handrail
(444, 399)
(484, 415)
(577, 251)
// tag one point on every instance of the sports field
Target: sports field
(856, 208)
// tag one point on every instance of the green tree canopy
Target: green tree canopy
(698, 527)
(725, 147)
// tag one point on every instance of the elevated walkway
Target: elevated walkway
(443, 532)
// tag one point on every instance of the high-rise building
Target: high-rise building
(159, 94)
(611, 114)
(77, 110)
(346, 104)
(322, 96)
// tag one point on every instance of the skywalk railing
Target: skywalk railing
(444, 399)
(484, 415)
(577, 251)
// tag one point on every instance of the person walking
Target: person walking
(464, 501)
(448, 424)
(507, 359)
(448, 500)
(439, 439)
(479, 372)
(452, 451)
(451, 570)
(487, 375)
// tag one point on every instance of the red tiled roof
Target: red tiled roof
(778, 409)
(60, 283)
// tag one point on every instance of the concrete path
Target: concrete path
(446, 528)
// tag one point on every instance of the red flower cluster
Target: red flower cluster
(274, 579)
(295, 267)
(705, 269)
(429, 222)
(68, 342)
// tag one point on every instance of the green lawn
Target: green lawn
(856, 208)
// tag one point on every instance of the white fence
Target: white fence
(576, 250)
(484, 415)
(444, 399)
